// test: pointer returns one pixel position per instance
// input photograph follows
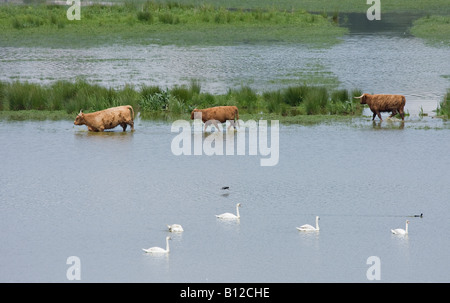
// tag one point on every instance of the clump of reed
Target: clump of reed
(23, 17)
(434, 29)
(63, 95)
(181, 99)
(312, 100)
(444, 107)
(343, 103)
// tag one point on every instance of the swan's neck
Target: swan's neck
(237, 211)
(317, 223)
(406, 229)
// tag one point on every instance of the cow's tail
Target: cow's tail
(132, 111)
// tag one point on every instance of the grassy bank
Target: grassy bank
(430, 6)
(161, 23)
(67, 98)
(434, 29)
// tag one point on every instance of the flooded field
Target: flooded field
(372, 63)
(102, 197)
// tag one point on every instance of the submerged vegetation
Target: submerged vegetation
(69, 97)
(161, 23)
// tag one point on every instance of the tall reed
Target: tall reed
(444, 107)
(180, 99)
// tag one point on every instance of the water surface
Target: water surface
(104, 196)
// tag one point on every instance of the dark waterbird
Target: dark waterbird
(417, 216)
(226, 187)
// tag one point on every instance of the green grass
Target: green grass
(40, 115)
(434, 29)
(153, 23)
(431, 6)
(203, 22)
(69, 97)
(443, 109)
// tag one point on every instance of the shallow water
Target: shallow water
(104, 196)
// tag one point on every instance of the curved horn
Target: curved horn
(81, 111)
(359, 97)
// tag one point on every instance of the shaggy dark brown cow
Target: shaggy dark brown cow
(216, 114)
(107, 118)
(384, 103)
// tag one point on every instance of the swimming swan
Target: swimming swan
(229, 215)
(400, 231)
(175, 228)
(308, 227)
(158, 250)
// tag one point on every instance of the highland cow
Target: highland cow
(216, 114)
(107, 118)
(384, 103)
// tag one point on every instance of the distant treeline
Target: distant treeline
(73, 96)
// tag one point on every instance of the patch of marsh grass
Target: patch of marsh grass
(71, 97)
(444, 107)
(434, 29)
(161, 23)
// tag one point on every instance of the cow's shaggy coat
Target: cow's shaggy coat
(384, 103)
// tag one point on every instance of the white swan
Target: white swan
(308, 227)
(175, 228)
(158, 250)
(229, 215)
(399, 231)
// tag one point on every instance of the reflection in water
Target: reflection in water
(402, 245)
(229, 225)
(310, 239)
(391, 24)
(112, 135)
(388, 124)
